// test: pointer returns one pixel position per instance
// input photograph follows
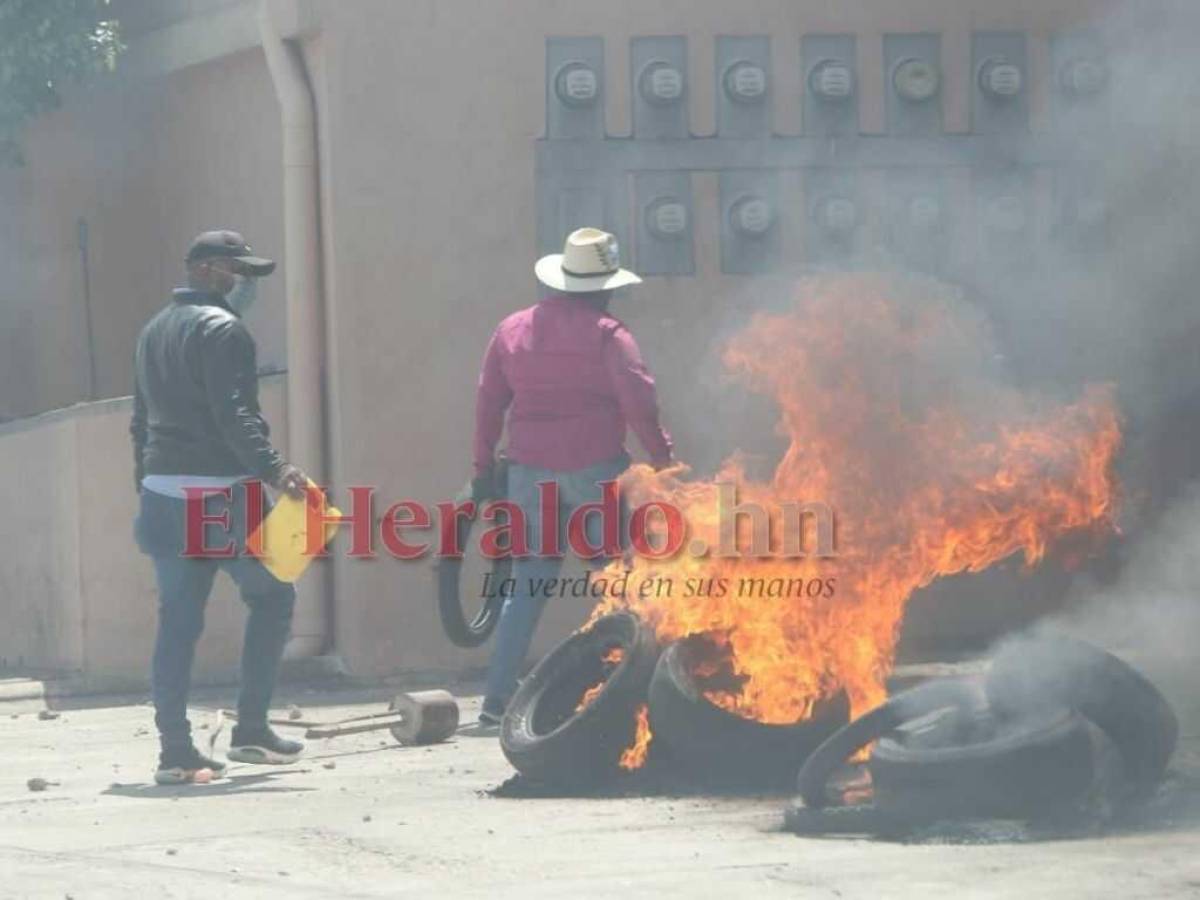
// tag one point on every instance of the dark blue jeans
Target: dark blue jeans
(184, 585)
(520, 614)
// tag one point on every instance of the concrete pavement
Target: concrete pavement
(362, 817)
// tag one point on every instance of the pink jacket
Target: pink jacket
(571, 379)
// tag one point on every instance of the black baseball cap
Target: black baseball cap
(229, 245)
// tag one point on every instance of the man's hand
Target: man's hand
(292, 481)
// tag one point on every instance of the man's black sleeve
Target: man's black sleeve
(231, 382)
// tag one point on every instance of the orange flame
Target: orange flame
(896, 419)
(612, 657)
(588, 696)
(634, 756)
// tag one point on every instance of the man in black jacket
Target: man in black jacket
(197, 425)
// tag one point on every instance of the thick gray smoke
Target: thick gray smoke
(1112, 295)
(1124, 308)
(1132, 316)
(1151, 612)
(1109, 294)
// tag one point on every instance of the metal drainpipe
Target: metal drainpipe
(305, 347)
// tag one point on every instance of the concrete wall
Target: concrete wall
(75, 594)
(428, 115)
(148, 165)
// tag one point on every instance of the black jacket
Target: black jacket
(195, 400)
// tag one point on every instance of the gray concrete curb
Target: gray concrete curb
(13, 689)
(320, 671)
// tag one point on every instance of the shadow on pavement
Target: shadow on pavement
(259, 783)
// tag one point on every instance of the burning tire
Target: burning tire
(987, 767)
(448, 577)
(722, 748)
(1060, 671)
(576, 713)
(879, 722)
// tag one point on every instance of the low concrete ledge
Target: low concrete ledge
(324, 672)
(12, 689)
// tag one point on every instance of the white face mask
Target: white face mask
(243, 294)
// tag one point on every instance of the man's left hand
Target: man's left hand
(293, 482)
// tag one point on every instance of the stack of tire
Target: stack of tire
(1022, 742)
(550, 739)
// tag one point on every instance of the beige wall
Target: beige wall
(148, 165)
(428, 114)
(39, 578)
(75, 594)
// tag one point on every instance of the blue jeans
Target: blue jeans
(521, 612)
(184, 585)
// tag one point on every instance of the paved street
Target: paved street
(362, 817)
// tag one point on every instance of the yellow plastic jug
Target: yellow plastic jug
(283, 537)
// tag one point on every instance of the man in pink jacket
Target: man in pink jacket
(571, 379)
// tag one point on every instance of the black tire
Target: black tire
(1009, 769)
(543, 735)
(448, 577)
(724, 749)
(879, 722)
(1056, 670)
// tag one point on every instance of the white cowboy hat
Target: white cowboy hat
(590, 261)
